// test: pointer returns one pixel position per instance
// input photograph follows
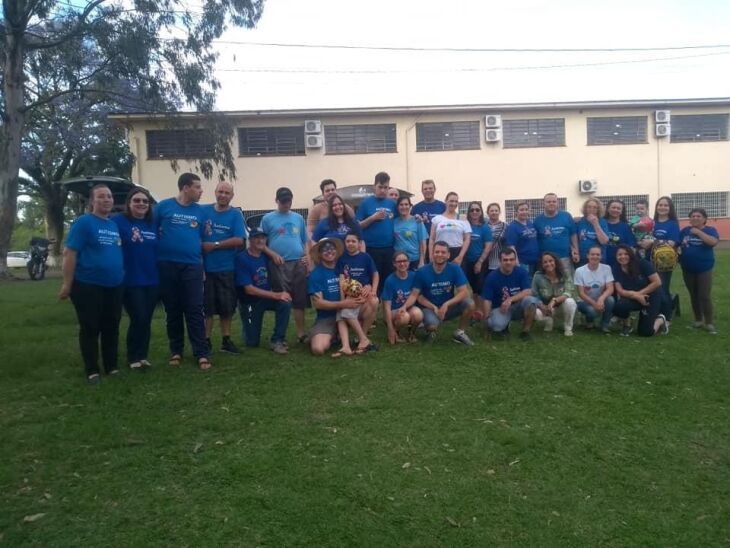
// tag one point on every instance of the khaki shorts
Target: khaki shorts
(324, 326)
(292, 278)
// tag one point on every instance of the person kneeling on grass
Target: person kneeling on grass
(440, 288)
(324, 288)
(595, 289)
(255, 295)
(396, 290)
(507, 295)
(555, 290)
(360, 267)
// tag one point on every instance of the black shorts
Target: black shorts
(219, 297)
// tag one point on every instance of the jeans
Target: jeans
(591, 313)
(699, 287)
(647, 314)
(667, 307)
(252, 318)
(181, 289)
(140, 303)
(430, 319)
(99, 310)
(499, 321)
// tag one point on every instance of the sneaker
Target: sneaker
(568, 332)
(279, 348)
(696, 325)
(460, 336)
(711, 329)
(626, 330)
(548, 324)
(606, 329)
(145, 364)
(664, 325)
(94, 379)
(209, 345)
(135, 366)
(228, 346)
(525, 336)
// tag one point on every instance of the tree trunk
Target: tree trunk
(11, 132)
(55, 202)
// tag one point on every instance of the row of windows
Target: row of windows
(434, 136)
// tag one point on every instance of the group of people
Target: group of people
(423, 262)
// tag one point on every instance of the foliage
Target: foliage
(593, 440)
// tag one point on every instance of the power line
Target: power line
(478, 69)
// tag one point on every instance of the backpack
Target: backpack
(664, 257)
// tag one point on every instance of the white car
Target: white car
(18, 259)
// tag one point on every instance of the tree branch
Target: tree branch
(74, 32)
(82, 91)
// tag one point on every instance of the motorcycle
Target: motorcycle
(38, 258)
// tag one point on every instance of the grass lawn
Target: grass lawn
(594, 440)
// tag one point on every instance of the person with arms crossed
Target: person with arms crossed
(179, 223)
(594, 281)
(619, 230)
(522, 237)
(425, 210)
(556, 232)
(224, 230)
(592, 229)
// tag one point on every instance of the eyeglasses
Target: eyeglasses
(475, 210)
(401, 261)
(140, 201)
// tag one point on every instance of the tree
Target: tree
(148, 55)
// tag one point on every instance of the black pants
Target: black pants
(181, 289)
(139, 302)
(647, 314)
(99, 310)
(383, 259)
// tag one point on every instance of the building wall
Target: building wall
(491, 173)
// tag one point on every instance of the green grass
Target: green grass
(585, 441)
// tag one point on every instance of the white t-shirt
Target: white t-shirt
(593, 281)
(450, 231)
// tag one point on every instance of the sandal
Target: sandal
(372, 347)
(175, 360)
(204, 364)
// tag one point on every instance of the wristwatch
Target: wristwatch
(217, 244)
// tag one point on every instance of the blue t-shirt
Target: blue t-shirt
(524, 239)
(697, 257)
(553, 233)
(408, 237)
(636, 283)
(666, 230)
(379, 233)
(618, 233)
(252, 271)
(396, 290)
(499, 286)
(325, 281)
(287, 234)
(428, 212)
(587, 237)
(98, 250)
(480, 235)
(323, 230)
(179, 229)
(219, 226)
(139, 248)
(360, 267)
(439, 288)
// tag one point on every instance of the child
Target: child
(357, 265)
(641, 224)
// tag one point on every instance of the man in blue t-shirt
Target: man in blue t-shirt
(556, 232)
(289, 250)
(179, 224)
(375, 215)
(429, 207)
(256, 296)
(440, 289)
(507, 295)
(224, 230)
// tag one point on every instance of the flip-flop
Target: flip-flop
(340, 354)
(175, 360)
(204, 364)
(372, 347)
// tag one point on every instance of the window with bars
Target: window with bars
(617, 130)
(629, 201)
(464, 208)
(536, 207)
(179, 143)
(541, 132)
(360, 139)
(271, 141)
(697, 128)
(447, 136)
(715, 203)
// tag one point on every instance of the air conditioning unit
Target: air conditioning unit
(663, 130)
(312, 126)
(588, 186)
(493, 120)
(493, 135)
(662, 116)
(314, 141)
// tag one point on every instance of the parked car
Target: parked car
(119, 187)
(18, 259)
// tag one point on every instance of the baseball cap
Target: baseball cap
(258, 231)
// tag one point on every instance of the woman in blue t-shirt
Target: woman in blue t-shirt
(410, 234)
(93, 272)
(697, 259)
(666, 232)
(338, 223)
(141, 278)
(480, 246)
(619, 232)
(396, 291)
(522, 237)
(592, 229)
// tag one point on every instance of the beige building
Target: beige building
(491, 153)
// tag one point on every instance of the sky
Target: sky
(268, 77)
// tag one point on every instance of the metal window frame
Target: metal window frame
(274, 141)
(178, 143)
(708, 128)
(451, 136)
(536, 207)
(607, 130)
(364, 139)
(533, 133)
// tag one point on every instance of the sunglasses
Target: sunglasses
(401, 261)
(475, 210)
(140, 201)
(327, 249)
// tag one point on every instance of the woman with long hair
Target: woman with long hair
(522, 237)
(664, 244)
(396, 291)
(592, 229)
(619, 231)
(556, 292)
(448, 228)
(697, 259)
(480, 245)
(410, 234)
(93, 272)
(338, 223)
(141, 277)
(638, 289)
(498, 228)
